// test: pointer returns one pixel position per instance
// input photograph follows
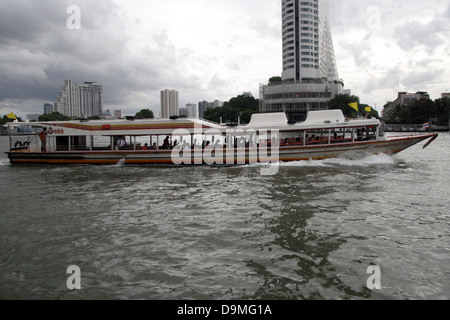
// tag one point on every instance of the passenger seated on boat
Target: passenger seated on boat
(154, 147)
(121, 143)
(166, 144)
(145, 147)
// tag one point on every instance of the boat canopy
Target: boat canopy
(328, 116)
(268, 119)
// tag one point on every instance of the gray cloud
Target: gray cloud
(413, 34)
(134, 61)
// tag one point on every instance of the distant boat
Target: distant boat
(267, 138)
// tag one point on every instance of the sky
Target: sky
(209, 49)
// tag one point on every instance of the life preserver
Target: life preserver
(18, 144)
(26, 144)
(50, 130)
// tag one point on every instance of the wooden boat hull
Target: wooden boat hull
(229, 157)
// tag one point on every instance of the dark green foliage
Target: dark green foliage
(242, 107)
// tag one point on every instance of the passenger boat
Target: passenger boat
(268, 138)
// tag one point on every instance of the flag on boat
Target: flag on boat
(426, 125)
(355, 106)
(368, 109)
(11, 116)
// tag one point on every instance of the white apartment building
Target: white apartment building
(80, 101)
(169, 103)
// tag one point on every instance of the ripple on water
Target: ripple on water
(309, 232)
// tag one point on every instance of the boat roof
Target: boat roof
(327, 119)
(322, 119)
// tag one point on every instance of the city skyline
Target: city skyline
(135, 49)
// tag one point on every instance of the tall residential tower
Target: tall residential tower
(310, 78)
(80, 101)
(169, 103)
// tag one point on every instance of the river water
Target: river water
(220, 233)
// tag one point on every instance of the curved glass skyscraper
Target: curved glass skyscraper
(310, 78)
(308, 51)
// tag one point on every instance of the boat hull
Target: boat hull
(229, 157)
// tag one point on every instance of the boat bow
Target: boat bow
(433, 137)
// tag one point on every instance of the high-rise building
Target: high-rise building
(92, 99)
(308, 51)
(192, 110)
(169, 104)
(204, 105)
(310, 78)
(118, 114)
(48, 108)
(64, 103)
(80, 101)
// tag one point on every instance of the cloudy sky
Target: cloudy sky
(209, 49)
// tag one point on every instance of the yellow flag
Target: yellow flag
(368, 109)
(354, 106)
(11, 116)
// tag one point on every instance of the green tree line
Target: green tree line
(421, 111)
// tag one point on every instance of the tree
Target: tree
(422, 111)
(443, 111)
(342, 102)
(372, 114)
(399, 115)
(242, 107)
(145, 114)
(275, 80)
(227, 114)
(55, 116)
